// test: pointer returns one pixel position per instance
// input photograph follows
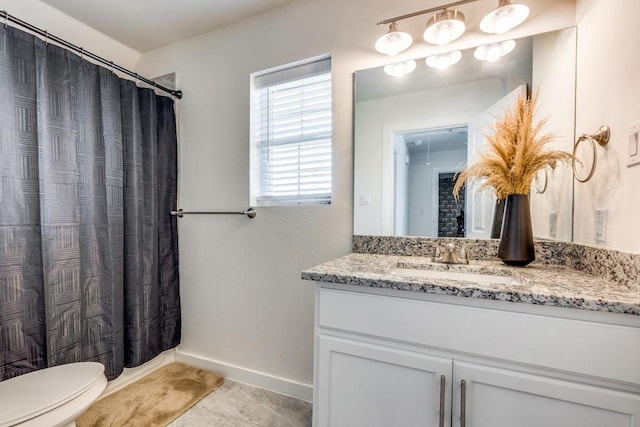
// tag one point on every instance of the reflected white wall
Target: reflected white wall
(554, 59)
(402, 161)
(376, 124)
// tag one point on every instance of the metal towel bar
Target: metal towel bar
(251, 213)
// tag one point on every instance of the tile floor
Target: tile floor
(238, 405)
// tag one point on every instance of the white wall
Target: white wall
(243, 301)
(57, 23)
(608, 92)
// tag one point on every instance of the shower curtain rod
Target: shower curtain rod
(10, 18)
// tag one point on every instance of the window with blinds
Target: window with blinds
(291, 135)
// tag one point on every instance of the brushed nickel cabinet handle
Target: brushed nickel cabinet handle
(463, 403)
(442, 385)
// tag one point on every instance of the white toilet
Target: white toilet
(51, 397)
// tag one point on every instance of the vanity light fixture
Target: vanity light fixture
(394, 41)
(444, 27)
(494, 51)
(400, 69)
(444, 60)
(448, 23)
(506, 17)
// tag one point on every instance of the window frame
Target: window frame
(295, 181)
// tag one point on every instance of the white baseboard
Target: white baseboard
(249, 377)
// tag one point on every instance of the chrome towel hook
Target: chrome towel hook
(601, 137)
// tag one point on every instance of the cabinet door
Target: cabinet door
(500, 397)
(366, 385)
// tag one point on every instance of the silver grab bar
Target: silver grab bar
(251, 213)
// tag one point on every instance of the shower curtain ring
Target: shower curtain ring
(6, 18)
(81, 53)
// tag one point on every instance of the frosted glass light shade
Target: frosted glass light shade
(444, 60)
(400, 69)
(504, 18)
(444, 27)
(494, 51)
(394, 41)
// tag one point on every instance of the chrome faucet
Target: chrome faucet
(449, 255)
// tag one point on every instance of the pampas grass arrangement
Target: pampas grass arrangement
(515, 151)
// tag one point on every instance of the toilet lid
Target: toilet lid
(37, 392)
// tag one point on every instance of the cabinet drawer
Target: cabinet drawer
(577, 346)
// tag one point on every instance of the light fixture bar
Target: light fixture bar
(424, 12)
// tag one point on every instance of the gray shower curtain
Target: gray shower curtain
(88, 250)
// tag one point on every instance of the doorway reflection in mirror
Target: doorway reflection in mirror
(426, 162)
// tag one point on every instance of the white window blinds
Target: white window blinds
(291, 135)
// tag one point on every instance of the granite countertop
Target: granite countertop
(542, 284)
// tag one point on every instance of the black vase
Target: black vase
(516, 239)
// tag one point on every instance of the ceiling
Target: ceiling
(441, 139)
(146, 25)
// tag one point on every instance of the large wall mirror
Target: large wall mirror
(414, 133)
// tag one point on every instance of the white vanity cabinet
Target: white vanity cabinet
(392, 358)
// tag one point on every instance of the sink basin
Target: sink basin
(455, 275)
